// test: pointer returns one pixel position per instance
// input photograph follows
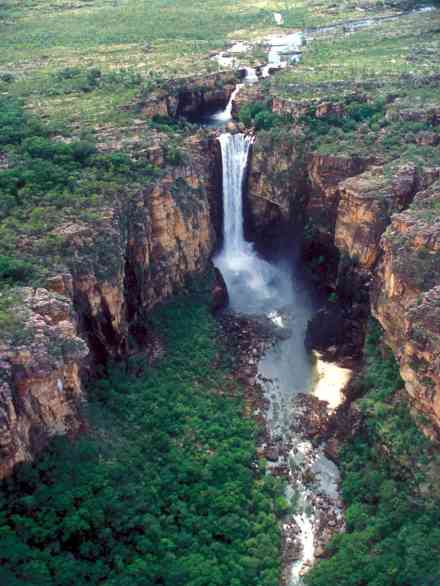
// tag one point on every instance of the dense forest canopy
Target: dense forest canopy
(164, 489)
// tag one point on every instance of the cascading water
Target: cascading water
(226, 114)
(261, 288)
(254, 285)
(235, 151)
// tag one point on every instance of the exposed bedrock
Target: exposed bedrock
(40, 387)
(190, 96)
(133, 254)
(142, 249)
(275, 185)
(406, 298)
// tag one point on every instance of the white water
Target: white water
(284, 50)
(278, 18)
(259, 287)
(235, 150)
(255, 286)
(251, 75)
(226, 115)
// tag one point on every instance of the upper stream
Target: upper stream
(286, 49)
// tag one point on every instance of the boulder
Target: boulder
(219, 292)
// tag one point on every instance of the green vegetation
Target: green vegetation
(129, 42)
(165, 489)
(388, 53)
(372, 126)
(390, 487)
(15, 271)
(260, 116)
(49, 176)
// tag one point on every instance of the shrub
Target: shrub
(164, 491)
(15, 271)
(259, 115)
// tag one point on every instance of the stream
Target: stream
(286, 49)
(273, 290)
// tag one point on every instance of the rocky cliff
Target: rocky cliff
(189, 96)
(406, 298)
(40, 387)
(117, 265)
(275, 182)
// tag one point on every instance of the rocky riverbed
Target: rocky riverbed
(293, 445)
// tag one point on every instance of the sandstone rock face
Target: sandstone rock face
(171, 234)
(276, 177)
(350, 203)
(138, 252)
(365, 207)
(406, 298)
(325, 173)
(96, 265)
(40, 388)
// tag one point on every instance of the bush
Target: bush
(260, 116)
(6, 77)
(15, 271)
(44, 177)
(174, 154)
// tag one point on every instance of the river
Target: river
(273, 289)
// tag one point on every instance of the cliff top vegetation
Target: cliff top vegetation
(81, 62)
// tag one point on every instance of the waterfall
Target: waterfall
(251, 75)
(226, 115)
(247, 276)
(254, 285)
(268, 290)
(235, 152)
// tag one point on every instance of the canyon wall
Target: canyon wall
(376, 232)
(40, 387)
(118, 266)
(189, 96)
(406, 299)
(275, 183)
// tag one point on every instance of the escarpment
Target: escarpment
(190, 96)
(136, 253)
(118, 264)
(40, 387)
(275, 184)
(366, 204)
(406, 298)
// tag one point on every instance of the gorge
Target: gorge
(220, 319)
(261, 288)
